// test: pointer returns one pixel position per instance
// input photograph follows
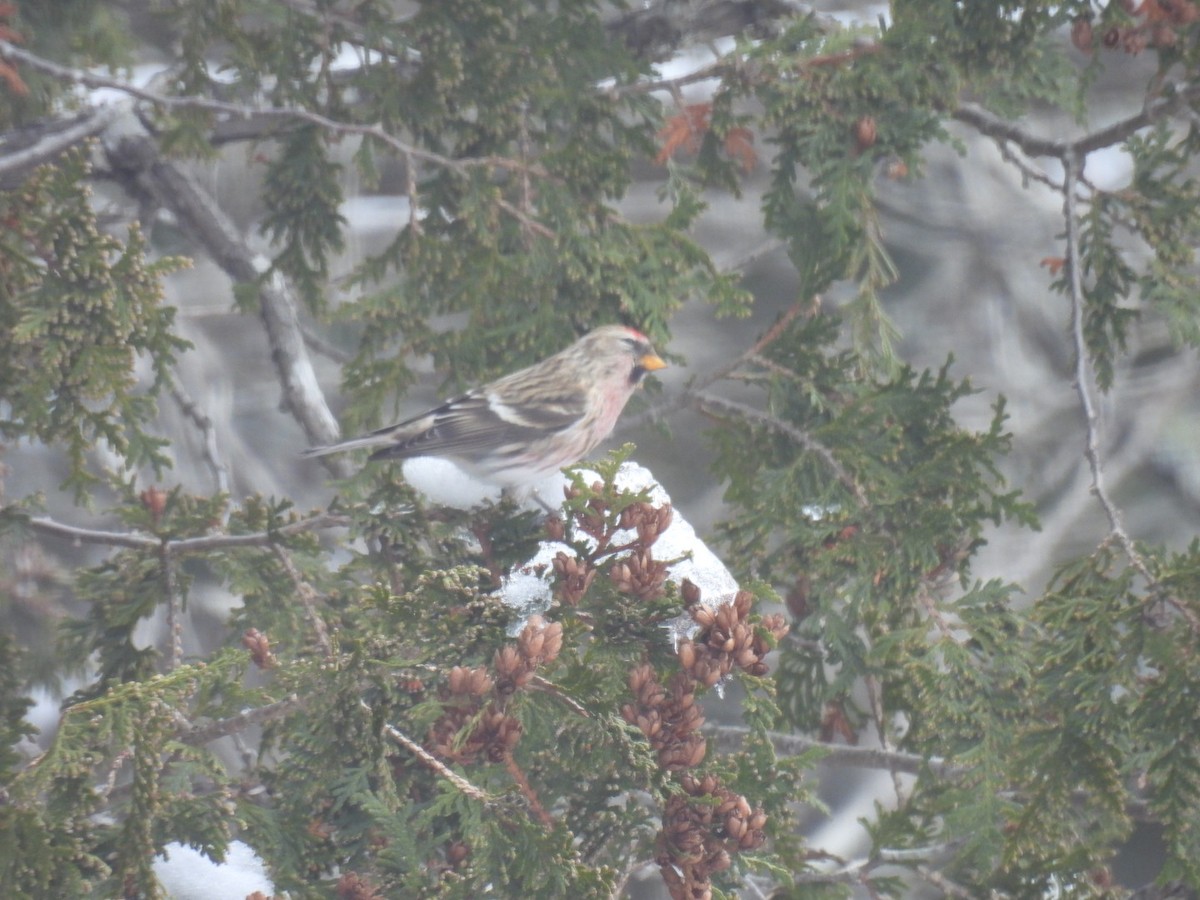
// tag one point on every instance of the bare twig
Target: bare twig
(853, 875)
(770, 336)
(944, 884)
(859, 873)
(114, 769)
(411, 188)
(178, 191)
(317, 344)
(631, 870)
(1083, 375)
(207, 543)
(929, 603)
(202, 734)
(538, 683)
(730, 737)
(708, 402)
(672, 86)
(174, 608)
(308, 599)
(208, 435)
(1072, 163)
(77, 535)
(434, 763)
(258, 538)
(527, 791)
(682, 399)
(1000, 129)
(875, 698)
(749, 257)
(282, 113)
(53, 141)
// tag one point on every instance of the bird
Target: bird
(517, 430)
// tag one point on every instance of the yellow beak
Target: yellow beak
(650, 362)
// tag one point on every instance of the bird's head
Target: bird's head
(622, 352)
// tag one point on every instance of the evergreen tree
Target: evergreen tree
(370, 717)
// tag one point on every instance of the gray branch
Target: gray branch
(133, 154)
(27, 148)
(48, 527)
(730, 737)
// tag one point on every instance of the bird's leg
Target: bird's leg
(519, 498)
(537, 498)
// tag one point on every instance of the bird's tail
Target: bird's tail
(358, 443)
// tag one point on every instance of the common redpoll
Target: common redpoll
(519, 429)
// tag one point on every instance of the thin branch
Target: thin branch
(77, 535)
(875, 697)
(538, 683)
(1083, 371)
(174, 608)
(678, 401)
(730, 737)
(944, 884)
(928, 602)
(202, 734)
(114, 769)
(859, 873)
(434, 763)
(206, 543)
(1083, 375)
(630, 871)
(732, 62)
(852, 876)
(1072, 154)
(182, 194)
(751, 885)
(1075, 149)
(672, 86)
(535, 805)
(745, 260)
(308, 599)
(206, 104)
(708, 402)
(462, 167)
(51, 141)
(318, 344)
(1031, 174)
(1072, 164)
(770, 336)
(411, 188)
(208, 435)
(906, 855)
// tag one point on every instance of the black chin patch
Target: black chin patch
(638, 373)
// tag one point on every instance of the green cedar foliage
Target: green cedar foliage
(397, 738)
(76, 307)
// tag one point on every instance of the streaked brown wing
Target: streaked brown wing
(472, 425)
